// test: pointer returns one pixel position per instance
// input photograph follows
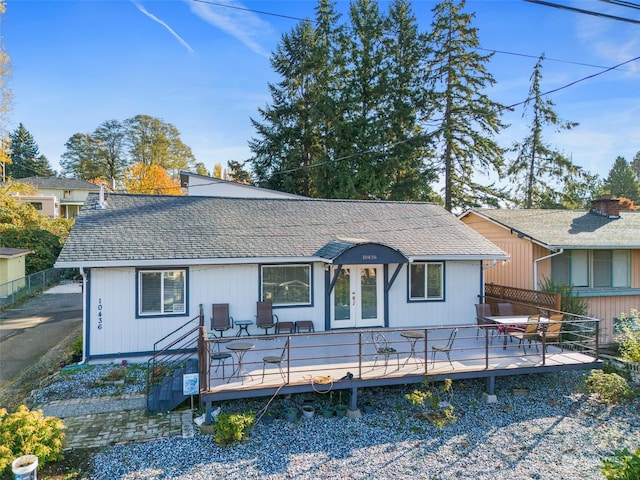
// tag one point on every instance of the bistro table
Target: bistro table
(244, 327)
(509, 320)
(240, 348)
(413, 338)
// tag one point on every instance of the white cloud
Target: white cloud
(241, 24)
(164, 24)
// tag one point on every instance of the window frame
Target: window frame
(139, 292)
(619, 261)
(426, 297)
(261, 290)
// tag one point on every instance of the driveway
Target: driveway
(31, 329)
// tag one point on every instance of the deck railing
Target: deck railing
(309, 357)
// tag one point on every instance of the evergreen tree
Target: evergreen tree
(635, 165)
(26, 160)
(342, 120)
(79, 159)
(237, 173)
(464, 119)
(622, 182)
(543, 177)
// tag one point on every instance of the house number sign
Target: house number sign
(100, 314)
(369, 257)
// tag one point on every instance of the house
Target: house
(597, 251)
(202, 185)
(69, 194)
(149, 262)
(12, 268)
(47, 205)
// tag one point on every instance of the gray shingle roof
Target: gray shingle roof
(134, 228)
(59, 183)
(571, 228)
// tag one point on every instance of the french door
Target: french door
(357, 297)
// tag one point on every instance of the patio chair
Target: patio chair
(505, 309)
(444, 348)
(383, 349)
(220, 357)
(553, 333)
(220, 319)
(276, 360)
(529, 332)
(484, 310)
(265, 318)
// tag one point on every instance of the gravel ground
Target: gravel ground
(555, 432)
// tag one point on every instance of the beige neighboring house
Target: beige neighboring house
(58, 197)
(597, 251)
(12, 268)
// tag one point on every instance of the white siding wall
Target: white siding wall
(462, 287)
(199, 186)
(118, 331)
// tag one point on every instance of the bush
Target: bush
(624, 465)
(630, 339)
(233, 427)
(435, 402)
(608, 387)
(27, 432)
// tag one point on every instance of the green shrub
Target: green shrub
(630, 340)
(624, 465)
(435, 402)
(233, 427)
(608, 387)
(28, 432)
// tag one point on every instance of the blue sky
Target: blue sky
(205, 68)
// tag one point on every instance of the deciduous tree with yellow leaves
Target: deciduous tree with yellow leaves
(150, 179)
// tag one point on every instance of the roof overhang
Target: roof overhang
(360, 252)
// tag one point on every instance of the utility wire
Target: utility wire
(575, 81)
(587, 12)
(623, 3)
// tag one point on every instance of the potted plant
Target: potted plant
(341, 410)
(308, 411)
(368, 407)
(290, 414)
(268, 417)
(327, 411)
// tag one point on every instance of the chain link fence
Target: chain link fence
(16, 290)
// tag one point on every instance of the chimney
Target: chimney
(102, 204)
(606, 206)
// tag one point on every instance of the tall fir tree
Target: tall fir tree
(463, 120)
(622, 181)
(542, 176)
(26, 160)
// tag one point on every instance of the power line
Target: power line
(575, 81)
(586, 12)
(623, 3)
(244, 9)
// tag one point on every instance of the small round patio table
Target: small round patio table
(413, 338)
(240, 348)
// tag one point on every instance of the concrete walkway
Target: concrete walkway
(103, 421)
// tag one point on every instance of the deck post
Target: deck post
(491, 385)
(353, 410)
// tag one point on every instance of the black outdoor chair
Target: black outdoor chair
(220, 319)
(276, 360)
(265, 318)
(383, 349)
(444, 348)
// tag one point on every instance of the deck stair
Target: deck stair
(174, 355)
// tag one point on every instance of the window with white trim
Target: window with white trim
(592, 268)
(426, 281)
(286, 284)
(162, 292)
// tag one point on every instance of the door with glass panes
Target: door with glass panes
(357, 297)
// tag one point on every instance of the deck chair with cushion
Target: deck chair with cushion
(383, 349)
(276, 360)
(529, 332)
(444, 348)
(265, 318)
(553, 333)
(220, 319)
(504, 310)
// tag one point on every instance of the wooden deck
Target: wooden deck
(347, 359)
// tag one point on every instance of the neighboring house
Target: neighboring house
(595, 251)
(47, 205)
(201, 185)
(12, 268)
(70, 193)
(149, 262)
